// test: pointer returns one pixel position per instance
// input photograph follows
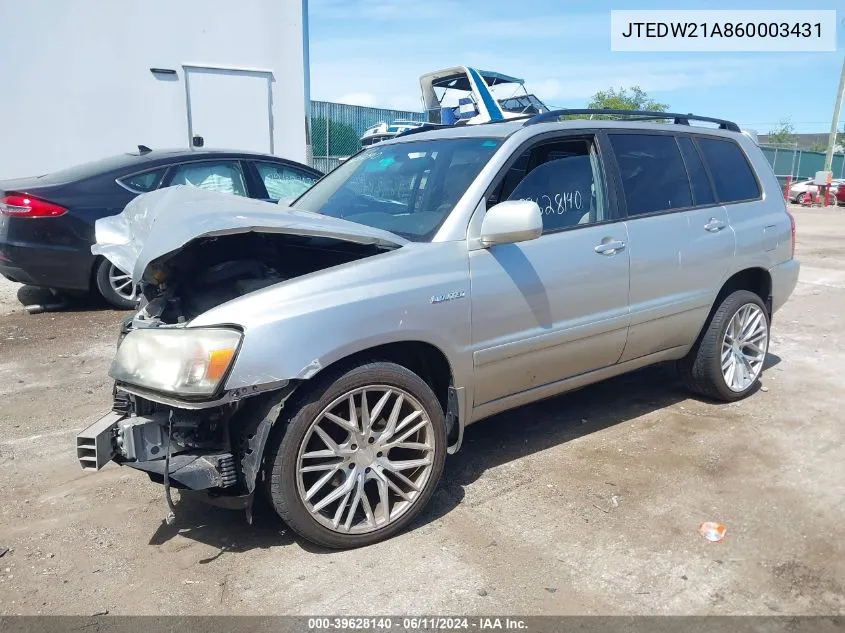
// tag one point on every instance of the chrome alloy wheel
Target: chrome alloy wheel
(744, 347)
(365, 459)
(121, 283)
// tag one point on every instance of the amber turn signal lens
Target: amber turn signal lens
(218, 362)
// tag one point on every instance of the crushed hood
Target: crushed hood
(163, 222)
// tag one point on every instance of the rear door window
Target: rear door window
(224, 176)
(654, 179)
(732, 175)
(282, 181)
(702, 191)
(143, 182)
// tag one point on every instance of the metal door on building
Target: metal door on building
(229, 108)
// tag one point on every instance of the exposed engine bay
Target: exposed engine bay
(212, 270)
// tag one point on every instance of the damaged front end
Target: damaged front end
(213, 450)
(177, 414)
(190, 250)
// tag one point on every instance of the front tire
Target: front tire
(360, 456)
(727, 361)
(115, 286)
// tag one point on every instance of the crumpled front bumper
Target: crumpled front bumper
(193, 471)
(110, 439)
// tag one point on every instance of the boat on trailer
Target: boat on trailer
(465, 96)
(462, 95)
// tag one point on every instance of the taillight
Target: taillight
(792, 222)
(23, 206)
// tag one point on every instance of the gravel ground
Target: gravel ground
(587, 503)
(9, 297)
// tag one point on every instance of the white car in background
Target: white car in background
(798, 191)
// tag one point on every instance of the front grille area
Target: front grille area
(121, 402)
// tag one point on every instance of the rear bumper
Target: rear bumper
(784, 279)
(18, 275)
(60, 267)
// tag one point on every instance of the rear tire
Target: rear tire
(727, 360)
(110, 282)
(338, 502)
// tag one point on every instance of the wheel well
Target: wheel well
(92, 274)
(756, 280)
(424, 359)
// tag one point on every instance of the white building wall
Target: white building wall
(75, 80)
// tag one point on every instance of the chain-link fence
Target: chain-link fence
(788, 161)
(336, 129)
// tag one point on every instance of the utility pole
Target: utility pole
(828, 159)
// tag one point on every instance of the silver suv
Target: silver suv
(333, 352)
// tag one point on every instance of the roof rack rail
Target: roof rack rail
(425, 127)
(636, 115)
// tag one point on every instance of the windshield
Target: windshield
(405, 188)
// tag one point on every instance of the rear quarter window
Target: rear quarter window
(143, 182)
(732, 175)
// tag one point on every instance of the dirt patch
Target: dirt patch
(9, 296)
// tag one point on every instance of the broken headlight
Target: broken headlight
(184, 361)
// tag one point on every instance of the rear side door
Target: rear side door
(681, 242)
(557, 306)
(762, 228)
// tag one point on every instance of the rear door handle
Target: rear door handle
(714, 225)
(610, 247)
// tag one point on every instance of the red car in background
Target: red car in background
(840, 196)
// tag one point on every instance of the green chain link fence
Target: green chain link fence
(337, 127)
(800, 163)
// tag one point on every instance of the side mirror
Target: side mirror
(511, 221)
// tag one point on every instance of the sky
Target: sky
(372, 52)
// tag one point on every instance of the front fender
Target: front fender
(294, 330)
(298, 348)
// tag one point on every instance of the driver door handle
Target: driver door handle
(610, 247)
(714, 225)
